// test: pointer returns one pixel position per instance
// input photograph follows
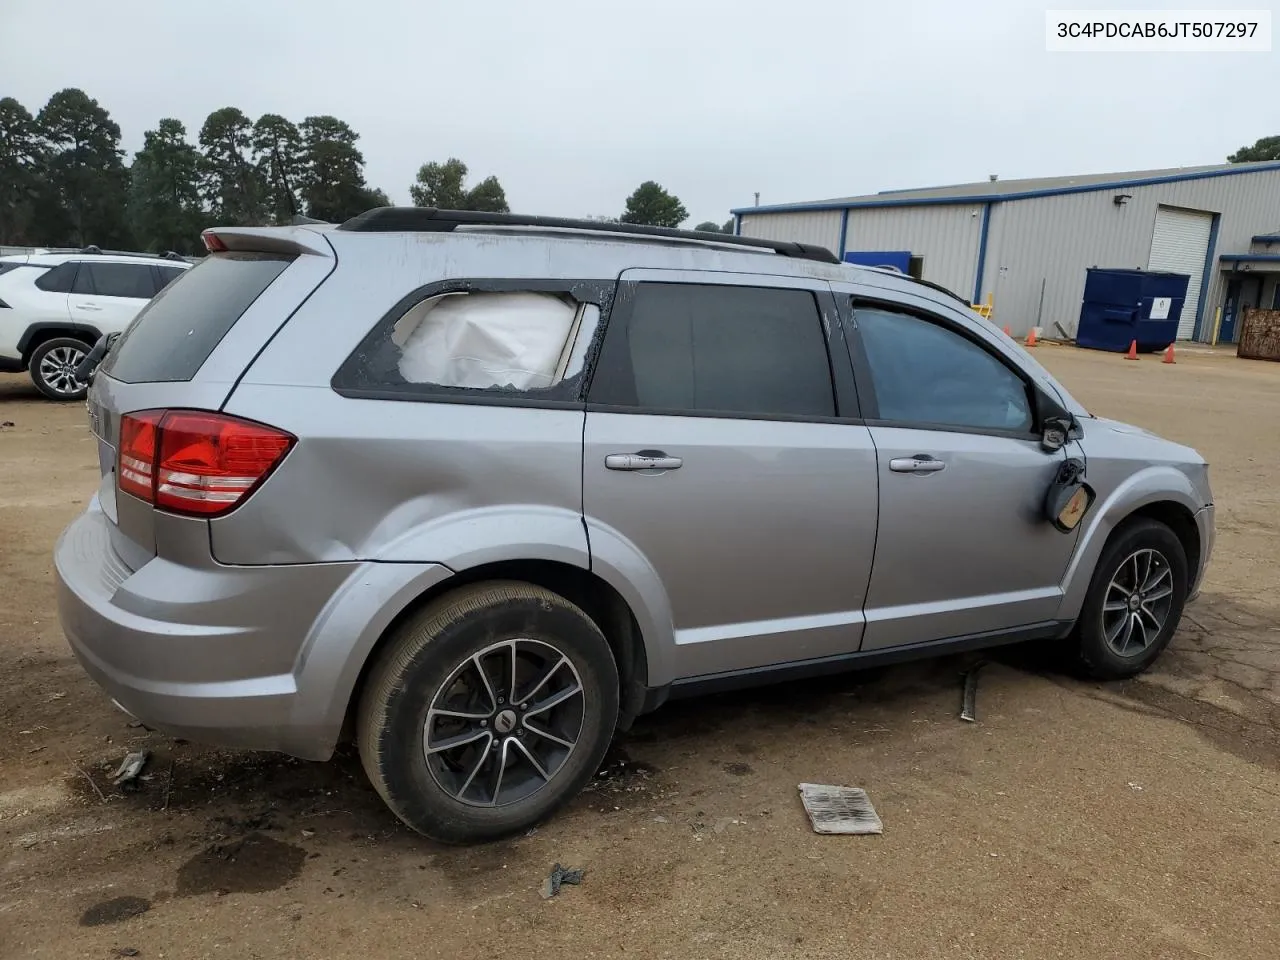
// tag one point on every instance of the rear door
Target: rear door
(186, 348)
(962, 547)
(724, 456)
(108, 295)
(48, 302)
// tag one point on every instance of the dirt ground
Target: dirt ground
(1073, 820)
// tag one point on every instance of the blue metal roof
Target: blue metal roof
(995, 191)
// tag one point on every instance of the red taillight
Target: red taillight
(189, 461)
(138, 447)
(212, 242)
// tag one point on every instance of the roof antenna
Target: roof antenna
(283, 181)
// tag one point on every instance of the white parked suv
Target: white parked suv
(55, 306)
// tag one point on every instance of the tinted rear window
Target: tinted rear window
(175, 333)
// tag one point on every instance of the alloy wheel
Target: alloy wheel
(504, 723)
(1137, 602)
(58, 370)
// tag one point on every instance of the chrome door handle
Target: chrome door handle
(644, 460)
(917, 464)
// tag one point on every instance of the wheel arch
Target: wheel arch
(1159, 494)
(592, 594)
(43, 332)
(1177, 518)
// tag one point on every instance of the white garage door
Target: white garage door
(1179, 245)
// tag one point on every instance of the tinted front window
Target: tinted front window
(718, 349)
(166, 276)
(133, 281)
(175, 333)
(925, 373)
(59, 279)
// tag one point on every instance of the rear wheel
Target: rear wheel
(487, 710)
(1135, 601)
(52, 367)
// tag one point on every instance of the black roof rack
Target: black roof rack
(888, 268)
(94, 249)
(941, 289)
(429, 219)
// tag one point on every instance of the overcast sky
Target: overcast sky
(572, 104)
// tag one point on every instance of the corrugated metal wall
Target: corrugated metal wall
(820, 226)
(1053, 240)
(1047, 241)
(947, 237)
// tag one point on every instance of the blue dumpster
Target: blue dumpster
(1121, 306)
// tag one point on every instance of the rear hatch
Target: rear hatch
(185, 351)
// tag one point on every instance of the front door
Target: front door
(723, 463)
(963, 547)
(107, 295)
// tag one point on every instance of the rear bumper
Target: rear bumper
(212, 654)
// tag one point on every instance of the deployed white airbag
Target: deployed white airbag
(507, 340)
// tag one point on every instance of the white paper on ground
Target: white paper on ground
(506, 340)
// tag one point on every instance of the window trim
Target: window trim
(84, 272)
(866, 380)
(566, 394)
(844, 394)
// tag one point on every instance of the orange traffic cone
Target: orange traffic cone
(1168, 355)
(1031, 337)
(1133, 350)
(1007, 331)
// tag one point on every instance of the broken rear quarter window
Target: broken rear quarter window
(514, 341)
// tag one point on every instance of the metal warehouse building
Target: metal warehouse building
(1026, 244)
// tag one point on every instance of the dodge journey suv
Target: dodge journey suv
(478, 489)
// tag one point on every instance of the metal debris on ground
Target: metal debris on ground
(969, 710)
(559, 876)
(844, 810)
(127, 952)
(130, 767)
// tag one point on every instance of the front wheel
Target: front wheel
(1135, 601)
(487, 710)
(53, 368)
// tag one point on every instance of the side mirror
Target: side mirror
(1056, 423)
(85, 368)
(1054, 433)
(1069, 497)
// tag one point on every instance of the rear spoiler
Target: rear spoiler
(301, 239)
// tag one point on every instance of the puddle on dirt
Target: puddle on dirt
(114, 911)
(255, 864)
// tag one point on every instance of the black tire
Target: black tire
(1099, 656)
(62, 353)
(430, 662)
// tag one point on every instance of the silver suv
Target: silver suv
(479, 489)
